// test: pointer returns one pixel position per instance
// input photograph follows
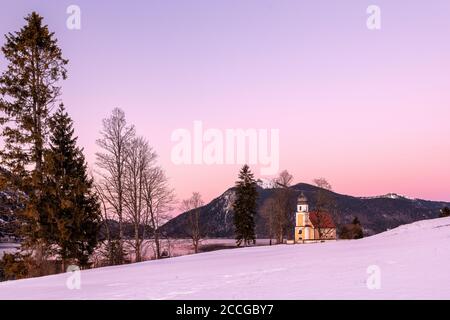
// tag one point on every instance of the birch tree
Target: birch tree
(115, 136)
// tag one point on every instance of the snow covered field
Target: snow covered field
(413, 261)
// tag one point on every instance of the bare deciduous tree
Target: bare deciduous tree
(115, 136)
(284, 179)
(159, 198)
(282, 205)
(192, 208)
(269, 212)
(139, 158)
(107, 249)
(322, 183)
(324, 204)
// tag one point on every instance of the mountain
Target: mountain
(376, 214)
(409, 262)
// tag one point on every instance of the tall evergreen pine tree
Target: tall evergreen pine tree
(245, 207)
(73, 206)
(29, 88)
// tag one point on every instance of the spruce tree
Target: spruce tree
(73, 205)
(245, 207)
(29, 89)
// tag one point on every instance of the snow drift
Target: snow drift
(413, 261)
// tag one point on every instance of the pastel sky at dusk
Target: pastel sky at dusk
(367, 109)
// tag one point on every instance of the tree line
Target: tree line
(132, 187)
(63, 214)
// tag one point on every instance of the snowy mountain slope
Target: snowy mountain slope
(413, 259)
(390, 195)
(266, 183)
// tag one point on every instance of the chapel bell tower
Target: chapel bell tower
(302, 203)
(302, 228)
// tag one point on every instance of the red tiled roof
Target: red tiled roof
(321, 220)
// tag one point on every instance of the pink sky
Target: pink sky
(368, 110)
